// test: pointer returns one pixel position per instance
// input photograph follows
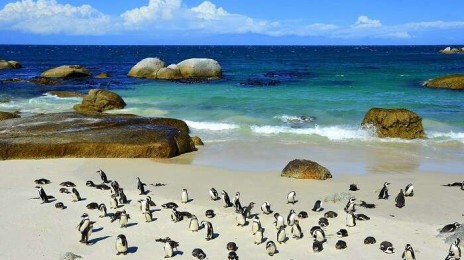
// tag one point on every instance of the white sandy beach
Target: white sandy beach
(32, 230)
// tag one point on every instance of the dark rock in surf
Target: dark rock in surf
(395, 123)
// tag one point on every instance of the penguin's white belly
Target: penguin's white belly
(120, 247)
(194, 225)
(258, 237)
(240, 219)
(184, 197)
(254, 227)
(408, 256)
(123, 221)
(319, 237)
(168, 251)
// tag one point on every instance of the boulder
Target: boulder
(66, 94)
(44, 81)
(449, 50)
(449, 82)
(76, 135)
(197, 141)
(4, 65)
(99, 100)
(200, 68)
(306, 169)
(8, 115)
(146, 68)
(66, 71)
(102, 75)
(395, 123)
(171, 72)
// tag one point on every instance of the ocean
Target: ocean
(274, 103)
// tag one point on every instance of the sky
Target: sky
(232, 22)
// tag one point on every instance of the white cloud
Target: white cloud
(365, 22)
(209, 11)
(155, 10)
(50, 17)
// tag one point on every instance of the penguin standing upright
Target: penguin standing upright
(279, 220)
(409, 190)
(400, 200)
(103, 176)
(102, 209)
(85, 227)
(247, 210)
(259, 236)
(169, 247)
(455, 250)
(350, 219)
(213, 194)
(114, 201)
(123, 219)
(383, 195)
(121, 245)
(75, 195)
(291, 218)
(209, 229)
(255, 225)
(193, 225)
(114, 187)
(43, 196)
(226, 199)
(184, 196)
(296, 230)
(291, 197)
(141, 186)
(122, 197)
(281, 235)
(266, 208)
(271, 248)
(408, 253)
(237, 204)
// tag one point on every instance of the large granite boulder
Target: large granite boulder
(171, 72)
(44, 81)
(5, 65)
(65, 94)
(306, 169)
(66, 71)
(99, 100)
(449, 82)
(146, 68)
(8, 115)
(102, 75)
(395, 123)
(200, 68)
(78, 135)
(449, 50)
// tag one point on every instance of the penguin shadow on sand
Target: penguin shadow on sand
(98, 239)
(189, 200)
(95, 230)
(131, 224)
(178, 252)
(132, 249)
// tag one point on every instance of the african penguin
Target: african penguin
(68, 184)
(318, 206)
(296, 230)
(361, 217)
(281, 235)
(121, 245)
(43, 196)
(114, 202)
(318, 246)
(232, 256)
(213, 194)
(291, 218)
(271, 248)
(266, 208)
(198, 254)
(408, 253)
(60, 205)
(259, 236)
(342, 233)
(318, 234)
(291, 197)
(450, 228)
(169, 205)
(330, 214)
(369, 241)
(102, 209)
(231, 246)
(194, 225)
(455, 250)
(75, 195)
(123, 219)
(409, 190)
(184, 196)
(255, 225)
(168, 250)
(387, 247)
(247, 210)
(210, 213)
(89, 184)
(353, 187)
(148, 216)
(303, 214)
(323, 222)
(141, 186)
(209, 230)
(240, 219)
(122, 196)
(114, 187)
(103, 176)
(383, 195)
(279, 220)
(226, 199)
(64, 190)
(42, 181)
(237, 204)
(340, 245)
(400, 200)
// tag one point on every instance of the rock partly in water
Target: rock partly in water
(449, 50)
(395, 123)
(200, 68)
(171, 72)
(66, 71)
(76, 135)
(146, 68)
(449, 82)
(12, 80)
(260, 82)
(102, 75)
(66, 94)
(5, 65)
(44, 81)
(8, 115)
(306, 169)
(99, 100)
(197, 141)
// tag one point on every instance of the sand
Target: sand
(31, 230)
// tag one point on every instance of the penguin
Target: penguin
(122, 196)
(231, 246)
(210, 213)
(170, 205)
(232, 256)
(361, 217)
(350, 220)
(353, 187)
(114, 187)
(271, 248)
(121, 245)
(43, 196)
(330, 214)
(116, 215)
(367, 205)
(85, 222)
(168, 250)
(90, 184)
(240, 219)
(340, 245)
(259, 236)
(175, 216)
(409, 190)
(102, 209)
(247, 210)
(387, 247)
(103, 176)
(237, 204)
(303, 214)
(323, 222)
(213, 194)
(148, 216)
(184, 196)
(145, 204)
(455, 250)
(291, 197)
(92, 205)
(383, 195)
(400, 200)
(266, 208)
(68, 184)
(60, 205)
(318, 206)
(342, 233)
(141, 186)
(408, 253)
(350, 206)
(193, 225)
(451, 257)
(369, 241)
(318, 234)
(255, 225)
(123, 219)
(291, 218)
(450, 228)
(114, 202)
(42, 181)
(64, 190)
(226, 199)
(75, 195)
(198, 254)
(318, 246)
(296, 230)
(209, 230)
(279, 221)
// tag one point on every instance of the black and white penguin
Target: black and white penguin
(122, 196)
(75, 195)
(231, 246)
(184, 197)
(237, 204)
(145, 204)
(121, 245)
(226, 199)
(64, 190)
(232, 256)
(213, 194)
(103, 176)
(450, 228)
(387, 247)
(369, 241)
(194, 225)
(42, 181)
(141, 186)
(198, 254)
(323, 222)
(353, 187)
(168, 249)
(296, 230)
(210, 213)
(281, 235)
(102, 187)
(102, 209)
(90, 184)
(409, 190)
(255, 225)
(247, 209)
(330, 214)
(279, 221)
(400, 200)
(59, 205)
(318, 206)
(361, 217)
(291, 218)
(43, 196)
(114, 204)
(124, 219)
(83, 228)
(342, 233)
(318, 234)
(240, 219)
(92, 205)
(367, 205)
(259, 236)
(148, 216)
(408, 253)
(303, 214)
(68, 184)
(175, 216)
(340, 245)
(350, 220)
(209, 230)
(114, 187)
(291, 197)
(350, 206)
(455, 249)
(170, 205)
(266, 208)
(383, 195)
(271, 248)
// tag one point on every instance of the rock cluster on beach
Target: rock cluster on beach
(306, 169)
(60, 135)
(98, 100)
(449, 50)
(8, 115)
(195, 68)
(66, 71)
(4, 65)
(449, 82)
(395, 123)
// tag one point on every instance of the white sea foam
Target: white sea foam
(335, 133)
(446, 136)
(295, 119)
(211, 126)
